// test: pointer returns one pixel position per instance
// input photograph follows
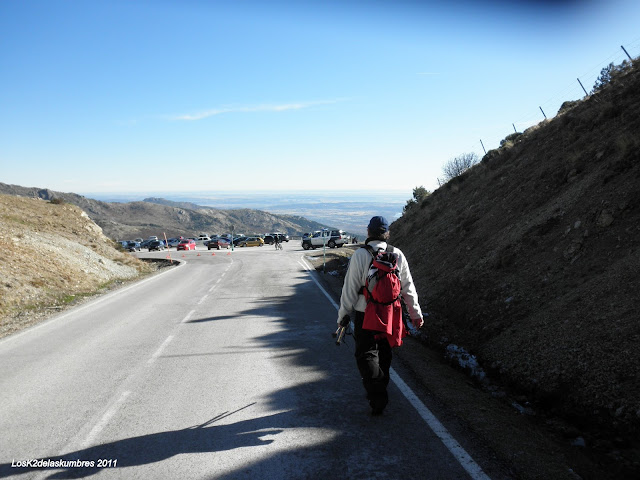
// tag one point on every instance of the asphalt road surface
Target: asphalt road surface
(221, 368)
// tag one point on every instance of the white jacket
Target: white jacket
(356, 277)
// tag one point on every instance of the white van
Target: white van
(325, 237)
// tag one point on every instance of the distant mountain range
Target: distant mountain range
(158, 216)
(344, 209)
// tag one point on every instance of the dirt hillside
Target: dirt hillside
(530, 261)
(52, 255)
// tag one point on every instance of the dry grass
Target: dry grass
(53, 255)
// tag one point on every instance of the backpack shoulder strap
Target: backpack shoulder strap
(373, 254)
(371, 251)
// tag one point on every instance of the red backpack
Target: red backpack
(383, 312)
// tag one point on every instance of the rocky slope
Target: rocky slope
(531, 261)
(52, 254)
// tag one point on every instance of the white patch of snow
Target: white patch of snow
(466, 361)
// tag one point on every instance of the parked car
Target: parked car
(218, 243)
(152, 238)
(237, 240)
(203, 237)
(282, 236)
(330, 238)
(186, 244)
(139, 240)
(338, 238)
(133, 246)
(155, 245)
(251, 242)
(173, 242)
(269, 239)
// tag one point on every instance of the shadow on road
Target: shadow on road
(156, 447)
(332, 403)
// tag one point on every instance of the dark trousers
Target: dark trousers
(373, 357)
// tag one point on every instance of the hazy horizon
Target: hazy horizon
(347, 210)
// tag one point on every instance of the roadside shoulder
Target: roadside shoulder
(19, 321)
(514, 444)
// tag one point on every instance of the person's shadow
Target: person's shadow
(156, 447)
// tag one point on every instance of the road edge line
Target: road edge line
(100, 298)
(460, 454)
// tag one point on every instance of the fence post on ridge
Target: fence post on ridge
(545, 117)
(585, 91)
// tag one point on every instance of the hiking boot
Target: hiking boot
(377, 411)
(377, 406)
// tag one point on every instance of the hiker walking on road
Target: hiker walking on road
(373, 346)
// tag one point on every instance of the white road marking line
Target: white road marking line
(108, 415)
(309, 269)
(160, 349)
(104, 421)
(203, 299)
(460, 454)
(220, 278)
(472, 468)
(186, 319)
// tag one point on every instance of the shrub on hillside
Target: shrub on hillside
(509, 140)
(609, 73)
(457, 166)
(568, 105)
(419, 193)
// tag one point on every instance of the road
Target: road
(221, 368)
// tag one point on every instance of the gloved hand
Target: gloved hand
(417, 322)
(344, 322)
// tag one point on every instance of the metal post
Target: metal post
(625, 51)
(514, 128)
(324, 253)
(485, 150)
(168, 248)
(545, 117)
(585, 91)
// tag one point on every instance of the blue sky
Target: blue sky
(149, 96)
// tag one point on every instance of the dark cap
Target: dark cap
(378, 224)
